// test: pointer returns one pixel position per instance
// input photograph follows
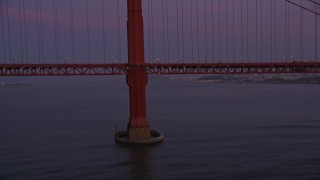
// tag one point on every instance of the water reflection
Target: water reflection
(141, 164)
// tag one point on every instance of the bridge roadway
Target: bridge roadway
(158, 68)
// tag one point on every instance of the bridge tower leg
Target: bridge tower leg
(138, 131)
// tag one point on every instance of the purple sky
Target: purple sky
(182, 32)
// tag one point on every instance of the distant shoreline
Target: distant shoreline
(14, 85)
(259, 79)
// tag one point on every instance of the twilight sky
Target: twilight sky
(175, 30)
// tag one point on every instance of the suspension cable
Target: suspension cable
(25, 30)
(275, 29)
(9, 34)
(212, 31)
(182, 24)
(38, 31)
(289, 33)
(316, 32)
(303, 7)
(241, 19)
(191, 6)
(198, 48)
(72, 32)
(257, 31)
(220, 29)
(261, 42)
(168, 42)
(205, 28)
(103, 31)
(271, 29)
(233, 32)
(163, 30)
(286, 30)
(21, 34)
(227, 16)
(3, 34)
(41, 32)
(248, 57)
(88, 32)
(56, 42)
(119, 32)
(152, 30)
(301, 31)
(177, 23)
(149, 31)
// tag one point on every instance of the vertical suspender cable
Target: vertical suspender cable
(3, 34)
(103, 31)
(72, 32)
(149, 31)
(261, 42)
(212, 31)
(233, 32)
(41, 32)
(257, 30)
(205, 29)
(38, 31)
(9, 34)
(220, 29)
(55, 30)
(227, 16)
(275, 29)
(163, 30)
(316, 32)
(301, 34)
(88, 32)
(21, 35)
(25, 30)
(289, 36)
(152, 31)
(177, 23)
(191, 6)
(241, 18)
(198, 48)
(248, 56)
(168, 42)
(271, 29)
(182, 25)
(286, 30)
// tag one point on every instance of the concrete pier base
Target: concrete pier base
(123, 137)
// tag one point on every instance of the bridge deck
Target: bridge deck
(177, 68)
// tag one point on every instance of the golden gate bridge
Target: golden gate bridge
(179, 36)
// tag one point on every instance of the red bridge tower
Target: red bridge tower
(138, 131)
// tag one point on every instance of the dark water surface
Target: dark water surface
(62, 128)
